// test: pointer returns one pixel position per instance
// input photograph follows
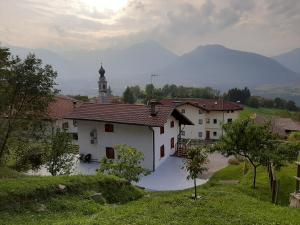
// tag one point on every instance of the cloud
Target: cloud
(265, 26)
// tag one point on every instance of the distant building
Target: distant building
(208, 116)
(281, 126)
(104, 90)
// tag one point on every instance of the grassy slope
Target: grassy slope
(6, 173)
(267, 112)
(220, 204)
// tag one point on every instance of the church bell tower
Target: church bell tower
(102, 86)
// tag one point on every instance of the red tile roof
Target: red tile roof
(206, 104)
(281, 126)
(61, 106)
(127, 114)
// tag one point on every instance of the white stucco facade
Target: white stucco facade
(144, 138)
(207, 125)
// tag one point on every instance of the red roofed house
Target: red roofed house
(151, 129)
(208, 115)
(58, 109)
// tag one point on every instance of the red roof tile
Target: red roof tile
(127, 114)
(61, 106)
(206, 104)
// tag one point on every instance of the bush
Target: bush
(28, 189)
(233, 161)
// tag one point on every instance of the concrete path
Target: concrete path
(169, 176)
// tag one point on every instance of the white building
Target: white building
(208, 116)
(58, 109)
(152, 130)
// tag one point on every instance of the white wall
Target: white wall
(139, 137)
(192, 112)
(165, 139)
(71, 128)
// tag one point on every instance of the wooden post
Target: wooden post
(298, 175)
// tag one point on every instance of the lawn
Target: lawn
(219, 204)
(268, 112)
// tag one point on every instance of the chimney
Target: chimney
(153, 104)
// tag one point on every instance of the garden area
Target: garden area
(220, 202)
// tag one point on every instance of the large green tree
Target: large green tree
(26, 89)
(246, 139)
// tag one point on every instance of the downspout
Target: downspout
(153, 147)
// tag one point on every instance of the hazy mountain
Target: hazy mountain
(212, 65)
(78, 70)
(221, 67)
(290, 59)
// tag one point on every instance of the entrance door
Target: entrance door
(207, 135)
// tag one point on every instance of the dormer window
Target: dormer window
(182, 110)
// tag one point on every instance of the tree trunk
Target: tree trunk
(3, 144)
(254, 177)
(195, 187)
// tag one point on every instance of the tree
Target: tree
(246, 139)
(236, 94)
(195, 164)
(60, 154)
(128, 96)
(126, 165)
(253, 102)
(291, 105)
(26, 89)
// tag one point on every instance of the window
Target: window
(228, 111)
(229, 120)
(183, 133)
(200, 134)
(109, 128)
(200, 121)
(65, 125)
(172, 123)
(207, 120)
(200, 112)
(93, 135)
(182, 110)
(215, 121)
(162, 130)
(110, 153)
(172, 142)
(75, 136)
(162, 151)
(215, 133)
(75, 123)
(232, 111)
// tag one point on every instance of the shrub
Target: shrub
(28, 189)
(233, 161)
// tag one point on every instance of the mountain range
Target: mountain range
(210, 65)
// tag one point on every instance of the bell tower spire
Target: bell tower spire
(102, 85)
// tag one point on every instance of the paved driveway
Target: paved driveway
(169, 176)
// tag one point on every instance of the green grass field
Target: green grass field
(219, 204)
(268, 113)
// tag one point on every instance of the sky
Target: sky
(267, 27)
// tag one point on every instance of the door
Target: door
(207, 135)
